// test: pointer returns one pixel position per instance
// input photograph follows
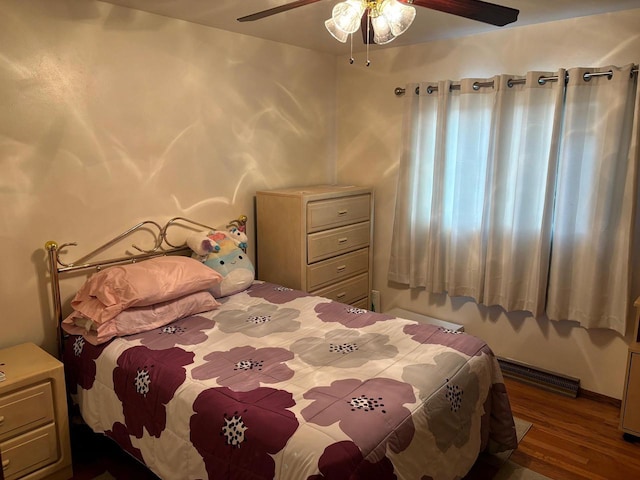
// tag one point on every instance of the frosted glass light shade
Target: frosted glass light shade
(335, 31)
(381, 30)
(399, 16)
(346, 15)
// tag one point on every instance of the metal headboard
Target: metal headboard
(162, 246)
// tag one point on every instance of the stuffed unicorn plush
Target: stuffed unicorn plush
(202, 245)
(225, 253)
(239, 237)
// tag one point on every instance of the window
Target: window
(519, 192)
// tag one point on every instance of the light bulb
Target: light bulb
(335, 31)
(381, 30)
(346, 15)
(398, 15)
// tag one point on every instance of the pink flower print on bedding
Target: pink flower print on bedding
(348, 315)
(431, 334)
(186, 331)
(245, 368)
(275, 293)
(363, 409)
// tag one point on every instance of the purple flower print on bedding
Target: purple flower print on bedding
(258, 320)
(79, 358)
(236, 433)
(144, 381)
(185, 331)
(344, 348)
(120, 434)
(452, 402)
(361, 408)
(344, 461)
(275, 293)
(348, 315)
(245, 368)
(462, 342)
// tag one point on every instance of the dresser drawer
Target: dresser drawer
(334, 269)
(334, 242)
(25, 409)
(29, 452)
(363, 304)
(347, 291)
(325, 214)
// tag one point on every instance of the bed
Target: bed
(274, 383)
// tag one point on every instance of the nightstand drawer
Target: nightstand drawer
(347, 291)
(25, 409)
(329, 271)
(325, 214)
(29, 452)
(334, 242)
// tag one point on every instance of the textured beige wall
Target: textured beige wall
(369, 126)
(109, 116)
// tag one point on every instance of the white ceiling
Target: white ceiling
(304, 26)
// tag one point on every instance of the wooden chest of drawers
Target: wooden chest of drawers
(317, 239)
(34, 427)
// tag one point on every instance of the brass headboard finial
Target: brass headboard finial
(240, 223)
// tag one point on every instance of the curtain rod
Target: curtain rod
(399, 91)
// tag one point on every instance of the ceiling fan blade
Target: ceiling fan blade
(474, 9)
(274, 10)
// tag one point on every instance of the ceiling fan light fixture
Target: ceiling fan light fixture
(335, 32)
(382, 33)
(346, 15)
(399, 16)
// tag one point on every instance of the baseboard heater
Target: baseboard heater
(555, 382)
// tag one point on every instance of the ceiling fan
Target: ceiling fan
(381, 21)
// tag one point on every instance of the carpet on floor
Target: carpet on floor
(499, 467)
(512, 471)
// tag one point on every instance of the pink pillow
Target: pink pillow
(109, 292)
(139, 319)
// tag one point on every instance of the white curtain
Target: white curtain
(594, 217)
(477, 186)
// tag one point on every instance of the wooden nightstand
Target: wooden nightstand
(34, 423)
(630, 413)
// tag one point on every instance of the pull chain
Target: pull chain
(351, 57)
(368, 35)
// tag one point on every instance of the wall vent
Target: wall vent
(555, 382)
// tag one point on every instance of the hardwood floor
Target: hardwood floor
(571, 438)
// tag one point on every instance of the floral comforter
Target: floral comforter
(279, 384)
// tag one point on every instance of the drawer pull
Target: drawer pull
(343, 240)
(1, 420)
(341, 268)
(5, 464)
(341, 295)
(342, 212)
